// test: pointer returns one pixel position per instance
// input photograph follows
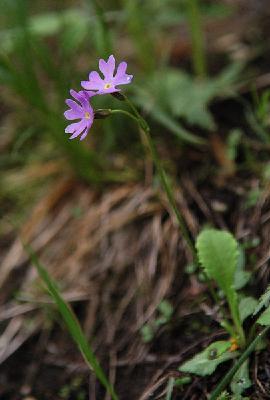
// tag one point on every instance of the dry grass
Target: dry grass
(117, 254)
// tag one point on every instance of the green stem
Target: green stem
(133, 108)
(224, 322)
(233, 305)
(128, 114)
(161, 172)
(197, 38)
(227, 378)
(169, 192)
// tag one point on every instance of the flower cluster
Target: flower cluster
(81, 109)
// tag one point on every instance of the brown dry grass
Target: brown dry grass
(117, 254)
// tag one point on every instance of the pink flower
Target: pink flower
(110, 81)
(79, 110)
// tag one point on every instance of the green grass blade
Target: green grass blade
(101, 33)
(72, 323)
(139, 32)
(170, 388)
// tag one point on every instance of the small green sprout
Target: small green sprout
(165, 311)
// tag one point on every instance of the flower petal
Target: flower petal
(86, 85)
(77, 133)
(105, 69)
(111, 63)
(85, 133)
(75, 95)
(95, 82)
(108, 91)
(71, 114)
(122, 80)
(88, 93)
(95, 77)
(75, 127)
(74, 106)
(121, 70)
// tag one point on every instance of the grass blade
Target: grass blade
(72, 323)
(101, 33)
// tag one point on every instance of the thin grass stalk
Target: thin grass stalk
(197, 38)
(140, 34)
(103, 37)
(72, 323)
(228, 377)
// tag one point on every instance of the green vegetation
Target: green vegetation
(194, 128)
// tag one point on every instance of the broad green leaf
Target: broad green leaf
(264, 301)
(241, 380)
(146, 100)
(241, 278)
(207, 361)
(264, 318)
(218, 254)
(72, 324)
(176, 94)
(247, 306)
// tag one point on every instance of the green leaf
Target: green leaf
(146, 100)
(207, 361)
(224, 396)
(264, 318)
(183, 380)
(218, 254)
(264, 301)
(241, 278)
(241, 380)
(176, 94)
(247, 306)
(72, 324)
(227, 396)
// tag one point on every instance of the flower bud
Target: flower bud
(102, 113)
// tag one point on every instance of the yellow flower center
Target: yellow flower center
(87, 115)
(107, 86)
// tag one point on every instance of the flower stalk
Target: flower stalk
(161, 172)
